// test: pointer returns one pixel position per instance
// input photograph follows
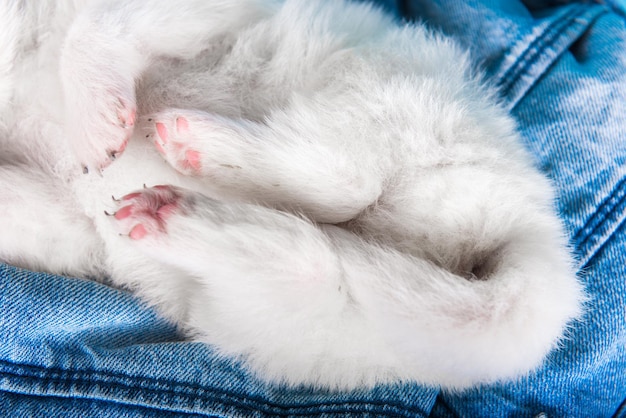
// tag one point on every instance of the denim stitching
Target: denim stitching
(145, 411)
(528, 54)
(586, 241)
(601, 213)
(228, 398)
(539, 44)
(593, 241)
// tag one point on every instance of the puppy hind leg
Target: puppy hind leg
(310, 304)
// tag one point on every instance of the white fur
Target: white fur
(421, 245)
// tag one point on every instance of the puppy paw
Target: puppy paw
(195, 143)
(146, 212)
(98, 79)
(101, 120)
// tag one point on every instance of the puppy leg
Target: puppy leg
(309, 304)
(41, 230)
(286, 165)
(108, 47)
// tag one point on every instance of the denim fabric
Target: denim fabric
(74, 348)
(73, 345)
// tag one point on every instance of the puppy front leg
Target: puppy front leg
(108, 47)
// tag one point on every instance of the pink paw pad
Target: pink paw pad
(192, 160)
(162, 131)
(123, 213)
(182, 125)
(127, 115)
(132, 117)
(147, 211)
(138, 232)
(170, 141)
(131, 196)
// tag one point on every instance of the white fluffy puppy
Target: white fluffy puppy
(348, 203)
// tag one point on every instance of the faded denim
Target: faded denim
(75, 348)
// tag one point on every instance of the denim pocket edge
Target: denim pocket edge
(531, 56)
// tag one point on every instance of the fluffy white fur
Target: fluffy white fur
(351, 205)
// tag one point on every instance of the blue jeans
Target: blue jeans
(73, 347)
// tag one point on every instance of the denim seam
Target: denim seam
(578, 18)
(601, 213)
(540, 43)
(206, 395)
(592, 236)
(154, 411)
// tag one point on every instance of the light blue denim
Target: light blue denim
(75, 348)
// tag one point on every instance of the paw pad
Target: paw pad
(162, 131)
(173, 138)
(182, 125)
(192, 160)
(146, 212)
(126, 115)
